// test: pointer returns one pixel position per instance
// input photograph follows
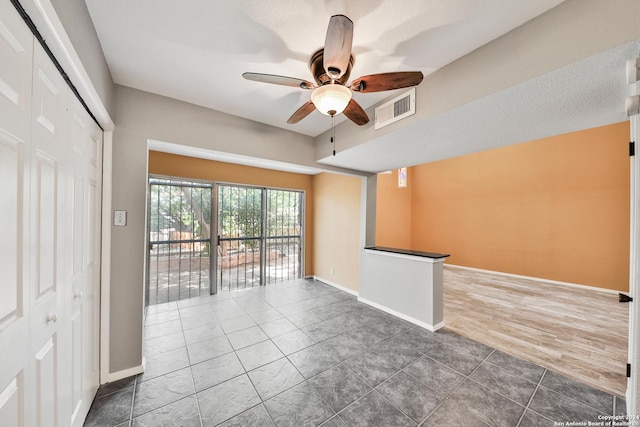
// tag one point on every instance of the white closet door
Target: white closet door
(15, 104)
(83, 195)
(50, 205)
(49, 338)
(91, 361)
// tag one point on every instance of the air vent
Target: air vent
(396, 109)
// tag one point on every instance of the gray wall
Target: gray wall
(140, 116)
(76, 20)
(568, 33)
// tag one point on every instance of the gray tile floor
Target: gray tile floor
(303, 353)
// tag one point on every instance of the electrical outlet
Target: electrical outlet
(120, 218)
(332, 271)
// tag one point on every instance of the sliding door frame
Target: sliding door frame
(215, 224)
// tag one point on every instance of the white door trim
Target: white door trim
(49, 25)
(634, 266)
(105, 260)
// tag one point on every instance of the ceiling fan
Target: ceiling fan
(331, 67)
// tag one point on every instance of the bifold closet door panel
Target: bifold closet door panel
(83, 263)
(16, 51)
(49, 285)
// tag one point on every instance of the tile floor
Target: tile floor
(303, 353)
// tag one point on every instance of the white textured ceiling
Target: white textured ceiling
(197, 50)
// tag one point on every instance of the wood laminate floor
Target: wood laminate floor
(578, 332)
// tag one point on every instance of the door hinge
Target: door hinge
(632, 148)
(624, 298)
(628, 370)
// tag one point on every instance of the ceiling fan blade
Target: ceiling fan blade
(386, 81)
(279, 80)
(355, 113)
(337, 46)
(302, 112)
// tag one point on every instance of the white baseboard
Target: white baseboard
(126, 373)
(335, 285)
(420, 323)
(537, 279)
(378, 306)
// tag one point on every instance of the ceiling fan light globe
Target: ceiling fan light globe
(331, 99)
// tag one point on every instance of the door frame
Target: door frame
(634, 264)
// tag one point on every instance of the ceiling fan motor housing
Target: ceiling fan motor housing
(320, 75)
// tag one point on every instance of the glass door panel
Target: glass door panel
(259, 236)
(283, 235)
(179, 240)
(239, 237)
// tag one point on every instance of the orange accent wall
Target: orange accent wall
(190, 167)
(336, 250)
(555, 208)
(393, 209)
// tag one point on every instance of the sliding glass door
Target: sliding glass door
(260, 236)
(257, 238)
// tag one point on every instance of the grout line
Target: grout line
(466, 377)
(373, 387)
(267, 411)
(354, 402)
(195, 396)
(392, 404)
(526, 408)
(133, 399)
(479, 364)
(322, 397)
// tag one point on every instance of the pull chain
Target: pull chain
(333, 134)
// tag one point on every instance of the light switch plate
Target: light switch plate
(120, 218)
